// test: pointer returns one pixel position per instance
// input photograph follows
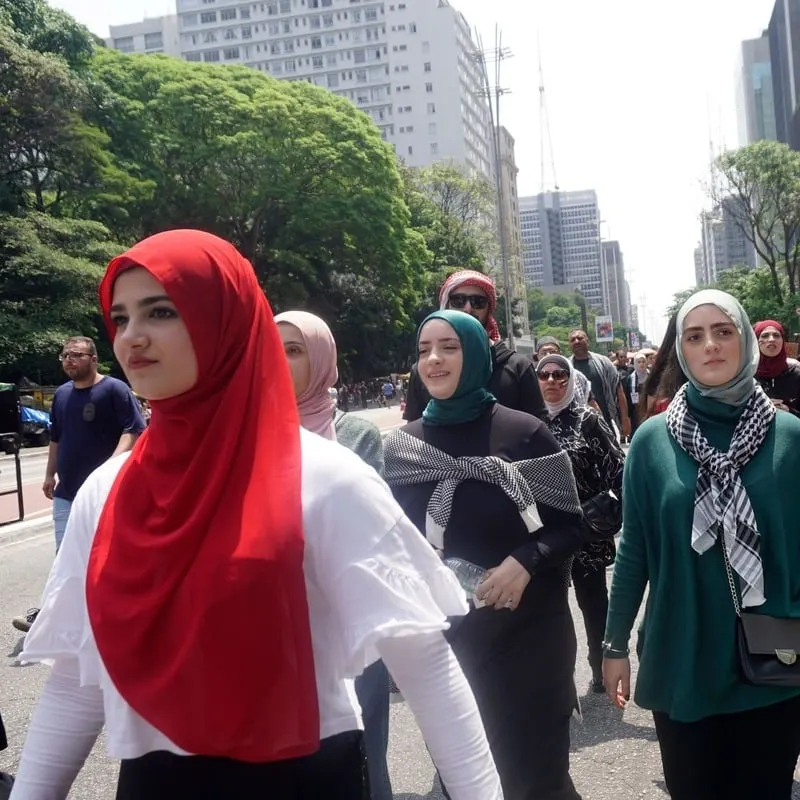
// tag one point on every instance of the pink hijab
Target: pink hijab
(315, 404)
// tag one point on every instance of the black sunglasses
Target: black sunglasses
(556, 375)
(475, 300)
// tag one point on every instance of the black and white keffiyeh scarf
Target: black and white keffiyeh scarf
(547, 480)
(721, 502)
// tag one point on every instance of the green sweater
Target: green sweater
(688, 666)
(362, 437)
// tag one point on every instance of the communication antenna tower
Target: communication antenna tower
(545, 138)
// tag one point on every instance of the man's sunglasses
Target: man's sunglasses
(478, 301)
(556, 375)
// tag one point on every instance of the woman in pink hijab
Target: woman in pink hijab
(311, 352)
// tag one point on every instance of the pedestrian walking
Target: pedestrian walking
(312, 356)
(490, 485)
(710, 529)
(285, 544)
(93, 418)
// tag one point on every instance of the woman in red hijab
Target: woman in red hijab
(220, 585)
(779, 377)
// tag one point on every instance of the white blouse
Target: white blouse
(370, 576)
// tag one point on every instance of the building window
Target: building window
(208, 16)
(410, 150)
(247, 32)
(403, 48)
(327, 20)
(359, 57)
(413, 27)
(290, 66)
(231, 53)
(272, 9)
(426, 47)
(210, 37)
(211, 55)
(315, 23)
(331, 60)
(231, 34)
(288, 46)
(316, 43)
(189, 19)
(244, 13)
(208, 2)
(431, 108)
(370, 14)
(361, 75)
(275, 48)
(432, 129)
(153, 40)
(427, 66)
(227, 14)
(124, 44)
(286, 6)
(192, 56)
(333, 80)
(434, 148)
(316, 62)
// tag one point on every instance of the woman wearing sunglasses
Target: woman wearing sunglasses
(491, 486)
(597, 461)
(219, 586)
(513, 379)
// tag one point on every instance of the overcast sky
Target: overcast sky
(635, 92)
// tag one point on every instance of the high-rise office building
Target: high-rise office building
(784, 47)
(561, 243)
(755, 99)
(153, 35)
(510, 219)
(619, 293)
(412, 66)
(699, 266)
(723, 244)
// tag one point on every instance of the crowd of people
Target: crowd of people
(336, 560)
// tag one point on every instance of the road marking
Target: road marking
(27, 540)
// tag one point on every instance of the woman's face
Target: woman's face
(711, 345)
(297, 355)
(770, 342)
(553, 380)
(152, 342)
(641, 363)
(441, 359)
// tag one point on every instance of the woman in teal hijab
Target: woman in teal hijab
(455, 398)
(490, 486)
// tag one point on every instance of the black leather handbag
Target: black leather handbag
(768, 647)
(602, 517)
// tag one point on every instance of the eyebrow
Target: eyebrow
(144, 302)
(445, 339)
(714, 327)
(299, 344)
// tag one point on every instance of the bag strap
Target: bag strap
(731, 582)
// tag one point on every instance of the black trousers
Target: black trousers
(591, 593)
(750, 755)
(337, 771)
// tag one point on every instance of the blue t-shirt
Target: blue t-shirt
(87, 425)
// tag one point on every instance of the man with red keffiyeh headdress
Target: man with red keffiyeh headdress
(513, 381)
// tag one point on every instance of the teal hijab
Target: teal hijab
(471, 397)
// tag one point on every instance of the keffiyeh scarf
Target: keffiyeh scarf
(547, 480)
(721, 503)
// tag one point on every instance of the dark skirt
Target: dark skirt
(337, 771)
(520, 665)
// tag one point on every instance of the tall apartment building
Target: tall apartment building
(784, 46)
(723, 244)
(411, 65)
(510, 217)
(619, 293)
(699, 266)
(561, 243)
(153, 35)
(755, 99)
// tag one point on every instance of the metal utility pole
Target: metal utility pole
(493, 92)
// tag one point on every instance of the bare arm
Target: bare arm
(49, 485)
(126, 443)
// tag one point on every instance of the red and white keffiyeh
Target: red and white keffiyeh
(470, 277)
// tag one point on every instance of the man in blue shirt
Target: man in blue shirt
(93, 418)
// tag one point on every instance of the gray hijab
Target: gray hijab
(738, 390)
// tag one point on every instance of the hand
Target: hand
(626, 427)
(48, 487)
(617, 680)
(503, 586)
(780, 405)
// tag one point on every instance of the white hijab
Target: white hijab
(554, 409)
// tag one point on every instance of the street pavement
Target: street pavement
(614, 754)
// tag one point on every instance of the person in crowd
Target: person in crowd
(513, 379)
(597, 462)
(311, 352)
(285, 541)
(634, 388)
(604, 380)
(665, 378)
(6, 780)
(622, 364)
(490, 485)
(710, 527)
(548, 345)
(93, 418)
(778, 377)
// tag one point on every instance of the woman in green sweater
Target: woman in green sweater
(720, 465)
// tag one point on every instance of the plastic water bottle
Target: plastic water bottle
(469, 575)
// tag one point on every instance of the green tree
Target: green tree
(49, 271)
(761, 189)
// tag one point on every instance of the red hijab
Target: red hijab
(771, 366)
(195, 585)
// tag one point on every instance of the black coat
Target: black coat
(513, 383)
